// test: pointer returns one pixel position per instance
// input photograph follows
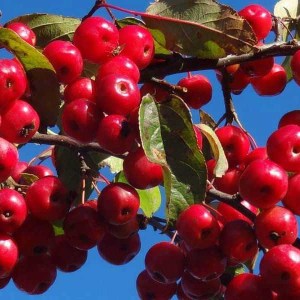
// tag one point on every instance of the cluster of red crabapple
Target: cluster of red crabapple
(106, 110)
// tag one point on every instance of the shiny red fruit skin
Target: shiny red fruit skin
(8, 255)
(13, 82)
(18, 170)
(48, 199)
(66, 60)
(34, 274)
(13, 210)
(197, 227)
(83, 227)
(80, 119)
(34, 237)
(9, 157)
(280, 268)
(140, 172)
(123, 94)
(141, 51)
(165, 262)
(124, 231)
(259, 18)
(198, 289)
(238, 81)
(272, 83)
(291, 117)
(295, 66)
(65, 257)
(259, 67)
(274, 226)
(39, 171)
(206, 264)
(263, 183)
(21, 129)
(238, 241)
(24, 31)
(96, 38)
(248, 286)
(291, 200)
(199, 90)
(235, 143)
(230, 214)
(257, 153)
(81, 87)
(148, 288)
(118, 203)
(115, 134)
(160, 94)
(121, 65)
(283, 147)
(119, 251)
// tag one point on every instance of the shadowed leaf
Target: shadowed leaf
(202, 28)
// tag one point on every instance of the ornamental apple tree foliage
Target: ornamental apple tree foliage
(97, 92)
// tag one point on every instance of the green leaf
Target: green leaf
(158, 36)
(28, 179)
(168, 139)
(44, 87)
(150, 199)
(202, 28)
(217, 149)
(290, 9)
(58, 228)
(69, 170)
(114, 163)
(48, 27)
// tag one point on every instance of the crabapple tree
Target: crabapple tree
(98, 92)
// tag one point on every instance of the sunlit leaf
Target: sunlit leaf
(202, 28)
(168, 139)
(217, 150)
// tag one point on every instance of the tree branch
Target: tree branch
(62, 140)
(177, 63)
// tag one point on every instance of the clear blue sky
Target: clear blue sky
(97, 279)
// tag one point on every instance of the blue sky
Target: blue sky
(97, 279)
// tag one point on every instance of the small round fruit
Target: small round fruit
(198, 227)
(199, 90)
(66, 60)
(118, 203)
(137, 43)
(96, 38)
(48, 199)
(283, 147)
(271, 84)
(274, 226)
(259, 18)
(263, 183)
(116, 94)
(8, 255)
(280, 268)
(34, 274)
(248, 286)
(291, 117)
(115, 134)
(165, 262)
(13, 210)
(148, 288)
(140, 172)
(24, 31)
(21, 129)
